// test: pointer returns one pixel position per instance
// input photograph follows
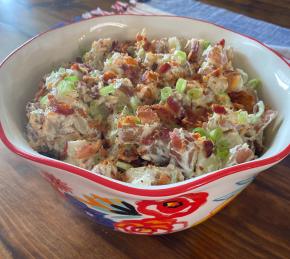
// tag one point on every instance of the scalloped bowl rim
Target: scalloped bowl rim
(156, 191)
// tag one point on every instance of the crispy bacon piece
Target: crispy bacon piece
(219, 109)
(164, 113)
(149, 76)
(109, 75)
(173, 105)
(243, 98)
(74, 66)
(208, 147)
(127, 120)
(62, 108)
(147, 115)
(128, 153)
(88, 150)
(164, 68)
(176, 141)
(222, 42)
(195, 118)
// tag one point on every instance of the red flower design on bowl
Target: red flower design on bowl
(173, 208)
(149, 226)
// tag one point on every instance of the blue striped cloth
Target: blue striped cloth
(266, 32)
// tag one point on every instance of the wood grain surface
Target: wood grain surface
(35, 221)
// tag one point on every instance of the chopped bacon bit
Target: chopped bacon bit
(130, 61)
(128, 154)
(147, 115)
(219, 109)
(126, 90)
(74, 66)
(163, 179)
(208, 147)
(216, 72)
(222, 42)
(173, 105)
(196, 136)
(131, 72)
(140, 37)
(82, 112)
(88, 150)
(164, 113)
(128, 120)
(146, 45)
(164, 68)
(62, 108)
(164, 134)
(148, 140)
(176, 141)
(149, 76)
(154, 66)
(243, 98)
(109, 75)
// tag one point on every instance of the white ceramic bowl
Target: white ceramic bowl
(152, 210)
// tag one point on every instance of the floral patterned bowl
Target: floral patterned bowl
(118, 205)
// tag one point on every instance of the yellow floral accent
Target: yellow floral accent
(216, 210)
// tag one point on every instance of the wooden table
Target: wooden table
(35, 222)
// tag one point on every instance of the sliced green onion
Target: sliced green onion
(134, 102)
(201, 131)
(222, 149)
(44, 100)
(194, 93)
(72, 79)
(216, 134)
(67, 85)
(242, 117)
(123, 165)
(165, 93)
(223, 98)
(205, 44)
(106, 90)
(254, 83)
(180, 56)
(180, 85)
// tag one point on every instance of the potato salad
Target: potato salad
(150, 111)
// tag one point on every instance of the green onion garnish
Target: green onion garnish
(201, 131)
(180, 85)
(242, 117)
(180, 56)
(254, 83)
(205, 44)
(215, 134)
(43, 100)
(165, 93)
(222, 149)
(67, 85)
(106, 90)
(194, 93)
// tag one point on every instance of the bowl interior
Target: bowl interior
(22, 71)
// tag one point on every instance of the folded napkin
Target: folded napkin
(276, 37)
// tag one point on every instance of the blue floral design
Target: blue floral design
(94, 214)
